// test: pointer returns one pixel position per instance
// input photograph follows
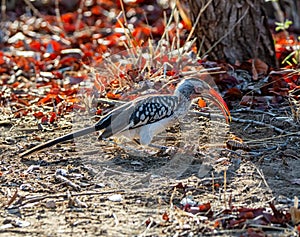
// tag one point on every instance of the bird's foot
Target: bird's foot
(163, 150)
(158, 146)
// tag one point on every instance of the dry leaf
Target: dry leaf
(295, 215)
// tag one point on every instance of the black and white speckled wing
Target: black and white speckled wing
(152, 109)
(143, 111)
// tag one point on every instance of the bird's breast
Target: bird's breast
(147, 132)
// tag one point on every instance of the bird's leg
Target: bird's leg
(162, 148)
(119, 145)
(128, 148)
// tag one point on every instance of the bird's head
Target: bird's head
(192, 88)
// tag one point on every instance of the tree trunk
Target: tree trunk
(282, 10)
(233, 30)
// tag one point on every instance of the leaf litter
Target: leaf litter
(46, 60)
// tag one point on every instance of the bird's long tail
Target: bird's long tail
(55, 141)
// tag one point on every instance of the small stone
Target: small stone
(115, 198)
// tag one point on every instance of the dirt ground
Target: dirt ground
(95, 188)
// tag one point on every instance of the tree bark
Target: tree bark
(233, 30)
(282, 10)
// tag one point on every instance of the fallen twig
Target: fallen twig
(13, 198)
(256, 111)
(262, 177)
(110, 101)
(276, 228)
(239, 120)
(33, 199)
(67, 182)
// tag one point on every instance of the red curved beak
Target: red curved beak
(218, 100)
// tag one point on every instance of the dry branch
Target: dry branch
(33, 199)
(248, 121)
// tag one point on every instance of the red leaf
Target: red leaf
(260, 66)
(255, 233)
(148, 222)
(171, 73)
(69, 27)
(244, 211)
(49, 98)
(44, 120)
(50, 56)
(72, 100)
(217, 185)
(77, 107)
(233, 94)
(68, 61)
(57, 74)
(115, 83)
(216, 224)
(247, 215)
(70, 92)
(53, 46)
(113, 96)
(20, 113)
(38, 115)
(279, 217)
(235, 223)
(35, 45)
(204, 207)
(19, 44)
(16, 84)
(96, 10)
(23, 63)
(53, 117)
(99, 112)
(2, 61)
(165, 217)
(54, 91)
(201, 103)
(180, 186)
(159, 28)
(68, 17)
(19, 100)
